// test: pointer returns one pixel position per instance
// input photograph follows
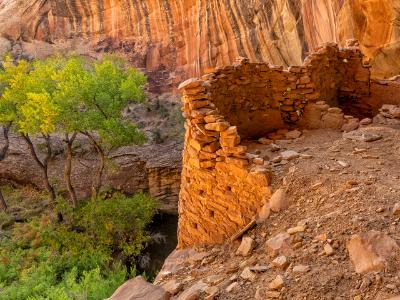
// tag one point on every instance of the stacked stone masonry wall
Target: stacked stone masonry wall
(223, 187)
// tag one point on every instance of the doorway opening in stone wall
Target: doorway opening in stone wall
(355, 107)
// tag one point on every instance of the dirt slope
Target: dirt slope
(337, 188)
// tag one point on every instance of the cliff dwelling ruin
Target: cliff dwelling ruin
(224, 186)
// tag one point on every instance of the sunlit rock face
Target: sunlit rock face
(177, 39)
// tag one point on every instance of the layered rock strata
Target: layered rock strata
(224, 187)
(173, 40)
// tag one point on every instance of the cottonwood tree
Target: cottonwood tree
(110, 85)
(27, 103)
(72, 95)
(8, 72)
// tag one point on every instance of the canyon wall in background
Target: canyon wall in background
(176, 39)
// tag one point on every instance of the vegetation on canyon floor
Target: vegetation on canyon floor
(57, 248)
(87, 256)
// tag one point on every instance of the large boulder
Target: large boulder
(370, 251)
(139, 289)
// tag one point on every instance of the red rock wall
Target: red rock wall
(174, 40)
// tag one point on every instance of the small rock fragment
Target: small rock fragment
(264, 213)
(294, 134)
(396, 209)
(369, 251)
(279, 243)
(173, 287)
(328, 249)
(297, 229)
(193, 293)
(301, 269)
(275, 147)
(289, 155)
(279, 201)
(280, 262)
(232, 286)
(247, 274)
(246, 246)
(264, 141)
(277, 283)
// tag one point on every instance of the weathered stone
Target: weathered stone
(289, 155)
(279, 243)
(280, 262)
(220, 126)
(328, 249)
(279, 200)
(362, 136)
(247, 274)
(297, 229)
(172, 286)
(139, 289)
(277, 283)
(264, 213)
(369, 251)
(232, 286)
(190, 83)
(294, 134)
(301, 269)
(193, 293)
(246, 247)
(396, 209)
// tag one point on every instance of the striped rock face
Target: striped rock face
(174, 40)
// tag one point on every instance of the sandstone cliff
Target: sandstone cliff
(174, 40)
(153, 168)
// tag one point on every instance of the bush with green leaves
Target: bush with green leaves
(83, 258)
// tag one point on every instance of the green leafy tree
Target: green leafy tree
(27, 103)
(98, 92)
(8, 73)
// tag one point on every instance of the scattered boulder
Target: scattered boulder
(173, 287)
(362, 136)
(328, 249)
(301, 269)
(277, 283)
(279, 244)
(365, 122)
(390, 111)
(264, 213)
(396, 209)
(369, 251)
(279, 201)
(247, 274)
(246, 246)
(294, 134)
(232, 286)
(297, 229)
(280, 262)
(289, 155)
(351, 125)
(139, 289)
(194, 292)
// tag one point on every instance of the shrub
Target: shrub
(82, 258)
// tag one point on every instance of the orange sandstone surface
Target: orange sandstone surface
(173, 40)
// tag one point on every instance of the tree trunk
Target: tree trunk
(68, 168)
(3, 154)
(3, 204)
(42, 165)
(96, 186)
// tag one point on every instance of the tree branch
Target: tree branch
(4, 150)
